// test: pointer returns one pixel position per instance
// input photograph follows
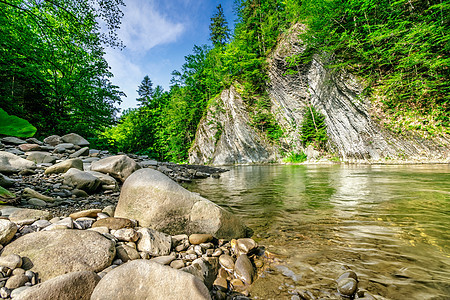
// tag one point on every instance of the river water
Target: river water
(389, 224)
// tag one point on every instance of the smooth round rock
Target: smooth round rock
(243, 269)
(91, 213)
(56, 252)
(11, 261)
(347, 286)
(197, 238)
(347, 274)
(177, 264)
(227, 262)
(221, 284)
(114, 223)
(7, 231)
(143, 279)
(246, 245)
(16, 281)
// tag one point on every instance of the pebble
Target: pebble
(163, 260)
(85, 213)
(347, 274)
(245, 246)
(347, 287)
(227, 262)
(243, 269)
(5, 292)
(177, 264)
(16, 281)
(221, 284)
(11, 261)
(196, 239)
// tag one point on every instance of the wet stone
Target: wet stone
(246, 245)
(347, 287)
(221, 284)
(196, 239)
(226, 262)
(347, 274)
(244, 269)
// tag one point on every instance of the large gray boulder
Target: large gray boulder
(71, 286)
(118, 166)
(41, 157)
(53, 140)
(10, 163)
(57, 252)
(143, 279)
(81, 180)
(65, 166)
(158, 202)
(75, 139)
(13, 140)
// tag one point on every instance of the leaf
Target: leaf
(15, 126)
(6, 197)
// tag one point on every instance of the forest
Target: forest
(53, 74)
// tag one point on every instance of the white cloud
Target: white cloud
(143, 27)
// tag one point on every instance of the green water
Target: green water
(390, 224)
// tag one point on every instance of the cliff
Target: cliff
(224, 135)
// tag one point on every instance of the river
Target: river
(389, 224)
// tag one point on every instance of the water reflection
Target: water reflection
(388, 223)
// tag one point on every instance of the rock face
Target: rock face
(142, 279)
(224, 136)
(118, 166)
(155, 201)
(10, 163)
(57, 252)
(71, 286)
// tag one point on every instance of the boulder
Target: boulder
(13, 140)
(27, 216)
(156, 201)
(81, 180)
(41, 157)
(65, 166)
(10, 163)
(53, 140)
(75, 139)
(70, 286)
(56, 252)
(30, 193)
(143, 279)
(7, 231)
(118, 166)
(104, 178)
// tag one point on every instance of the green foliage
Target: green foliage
(6, 196)
(219, 31)
(52, 70)
(401, 48)
(145, 91)
(294, 157)
(313, 128)
(15, 126)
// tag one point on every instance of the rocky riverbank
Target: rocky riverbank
(80, 223)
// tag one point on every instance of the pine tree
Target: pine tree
(145, 91)
(219, 31)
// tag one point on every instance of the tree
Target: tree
(145, 91)
(219, 31)
(52, 70)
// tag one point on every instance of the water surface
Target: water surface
(390, 224)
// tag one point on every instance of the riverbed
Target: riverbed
(389, 224)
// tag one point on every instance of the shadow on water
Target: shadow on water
(390, 224)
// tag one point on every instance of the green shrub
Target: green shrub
(313, 128)
(295, 157)
(15, 126)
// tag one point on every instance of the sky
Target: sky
(158, 34)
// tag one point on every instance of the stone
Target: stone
(41, 224)
(347, 274)
(6, 182)
(347, 286)
(90, 213)
(70, 286)
(81, 180)
(154, 242)
(143, 279)
(163, 260)
(11, 261)
(13, 140)
(101, 230)
(109, 210)
(311, 153)
(104, 178)
(16, 281)
(205, 269)
(27, 216)
(118, 166)
(41, 157)
(7, 231)
(82, 152)
(65, 166)
(227, 262)
(28, 193)
(10, 163)
(34, 141)
(5, 292)
(80, 193)
(29, 147)
(126, 234)
(243, 269)
(61, 148)
(75, 139)
(196, 239)
(53, 140)
(177, 264)
(37, 202)
(56, 252)
(221, 284)
(114, 223)
(246, 245)
(156, 201)
(126, 253)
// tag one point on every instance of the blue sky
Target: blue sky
(157, 35)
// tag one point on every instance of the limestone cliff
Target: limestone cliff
(224, 135)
